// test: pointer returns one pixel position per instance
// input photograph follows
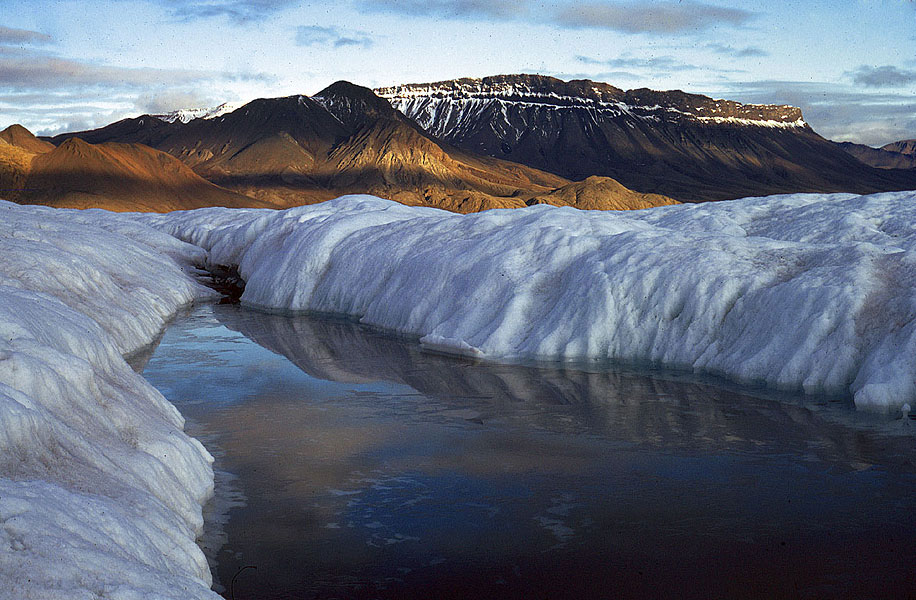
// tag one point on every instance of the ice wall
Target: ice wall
(805, 291)
(100, 489)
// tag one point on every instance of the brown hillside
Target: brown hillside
(391, 159)
(121, 177)
(19, 136)
(600, 193)
(15, 164)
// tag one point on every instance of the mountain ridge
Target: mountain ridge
(585, 92)
(345, 139)
(884, 157)
(686, 146)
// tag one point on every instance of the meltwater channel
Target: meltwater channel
(352, 464)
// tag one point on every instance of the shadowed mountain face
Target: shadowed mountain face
(907, 147)
(885, 157)
(114, 176)
(682, 145)
(300, 150)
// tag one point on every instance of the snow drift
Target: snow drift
(804, 291)
(100, 490)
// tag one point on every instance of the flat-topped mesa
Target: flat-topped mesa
(522, 88)
(704, 108)
(649, 104)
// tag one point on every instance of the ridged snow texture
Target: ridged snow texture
(805, 291)
(100, 490)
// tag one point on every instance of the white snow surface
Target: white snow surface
(807, 291)
(100, 489)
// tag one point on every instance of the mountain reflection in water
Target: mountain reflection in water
(374, 469)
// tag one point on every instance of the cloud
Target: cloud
(45, 113)
(655, 63)
(237, 11)
(169, 100)
(748, 52)
(314, 35)
(451, 9)
(886, 76)
(22, 36)
(628, 17)
(48, 93)
(665, 17)
(29, 69)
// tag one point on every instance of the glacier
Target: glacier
(101, 489)
(811, 292)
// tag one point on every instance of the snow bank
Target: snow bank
(805, 291)
(100, 490)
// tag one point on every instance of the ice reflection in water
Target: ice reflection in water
(377, 470)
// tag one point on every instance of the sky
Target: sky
(67, 65)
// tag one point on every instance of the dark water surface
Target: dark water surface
(353, 465)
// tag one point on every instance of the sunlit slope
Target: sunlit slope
(120, 177)
(301, 150)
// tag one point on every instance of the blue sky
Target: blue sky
(73, 64)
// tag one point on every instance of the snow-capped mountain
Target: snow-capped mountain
(688, 146)
(185, 115)
(300, 149)
(438, 149)
(447, 108)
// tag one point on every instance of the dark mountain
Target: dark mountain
(880, 158)
(683, 145)
(356, 106)
(299, 150)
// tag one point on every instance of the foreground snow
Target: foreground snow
(100, 490)
(806, 291)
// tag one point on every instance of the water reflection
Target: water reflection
(663, 409)
(373, 469)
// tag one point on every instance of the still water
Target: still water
(351, 464)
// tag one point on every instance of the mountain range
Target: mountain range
(464, 145)
(896, 155)
(686, 146)
(345, 139)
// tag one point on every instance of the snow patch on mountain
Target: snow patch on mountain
(434, 105)
(186, 115)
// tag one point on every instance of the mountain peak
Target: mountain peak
(907, 147)
(17, 135)
(355, 105)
